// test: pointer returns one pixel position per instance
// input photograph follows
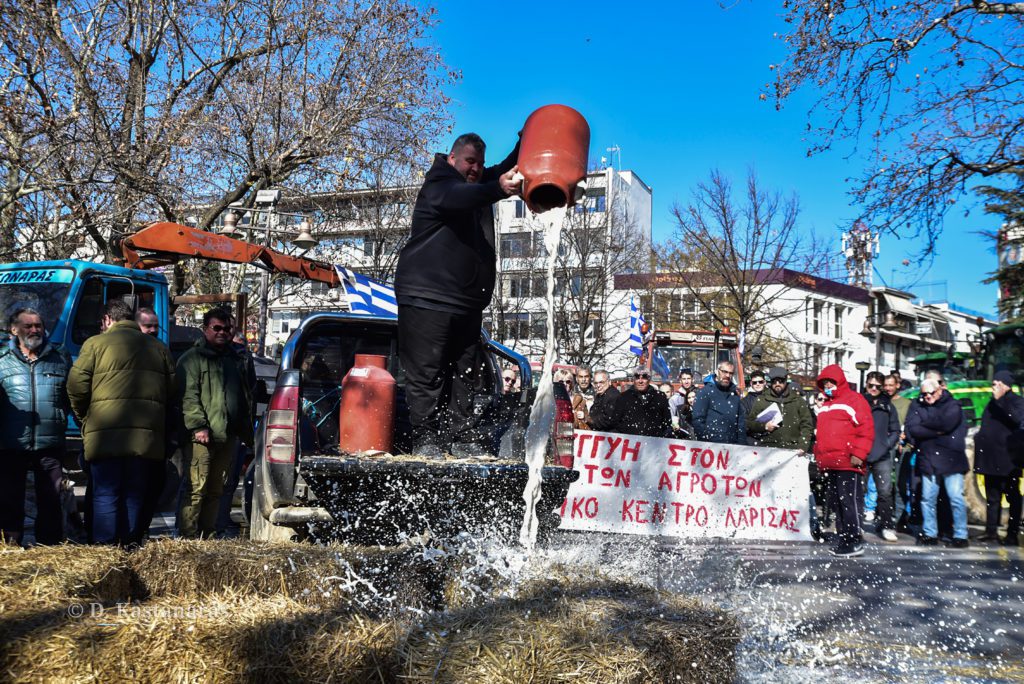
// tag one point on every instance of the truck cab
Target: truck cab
(71, 295)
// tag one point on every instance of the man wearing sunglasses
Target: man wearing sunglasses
(508, 381)
(642, 409)
(757, 388)
(880, 465)
(937, 426)
(216, 402)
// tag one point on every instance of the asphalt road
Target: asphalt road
(898, 613)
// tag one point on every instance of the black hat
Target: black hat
(1005, 377)
(777, 372)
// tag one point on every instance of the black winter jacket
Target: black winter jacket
(940, 433)
(1000, 436)
(643, 413)
(450, 255)
(887, 427)
(602, 411)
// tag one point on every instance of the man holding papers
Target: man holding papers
(779, 417)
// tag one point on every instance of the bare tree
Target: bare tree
(727, 258)
(174, 106)
(932, 89)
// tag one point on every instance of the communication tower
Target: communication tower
(860, 247)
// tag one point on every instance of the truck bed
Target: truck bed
(384, 498)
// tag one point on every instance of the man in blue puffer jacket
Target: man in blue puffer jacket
(718, 414)
(33, 416)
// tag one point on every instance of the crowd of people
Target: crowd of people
(877, 459)
(134, 406)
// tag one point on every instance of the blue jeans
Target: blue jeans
(119, 486)
(871, 496)
(954, 486)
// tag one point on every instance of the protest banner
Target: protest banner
(655, 486)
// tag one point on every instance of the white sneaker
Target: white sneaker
(889, 536)
(869, 516)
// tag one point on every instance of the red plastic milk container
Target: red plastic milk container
(553, 156)
(367, 406)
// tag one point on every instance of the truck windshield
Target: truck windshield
(699, 359)
(45, 297)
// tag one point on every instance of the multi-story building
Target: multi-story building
(607, 232)
(808, 322)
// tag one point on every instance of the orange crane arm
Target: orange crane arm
(165, 243)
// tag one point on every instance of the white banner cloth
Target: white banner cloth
(654, 486)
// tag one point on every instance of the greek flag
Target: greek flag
(636, 319)
(366, 295)
(660, 366)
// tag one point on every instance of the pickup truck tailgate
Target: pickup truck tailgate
(384, 498)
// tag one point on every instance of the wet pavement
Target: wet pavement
(900, 612)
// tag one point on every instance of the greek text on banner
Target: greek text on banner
(654, 486)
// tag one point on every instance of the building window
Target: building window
(807, 315)
(839, 323)
(517, 326)
(285, 326)
(519, 286)
(539, 326)
(819, 324)
(515, 245)
(520, 209)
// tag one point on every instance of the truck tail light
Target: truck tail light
(281, 436)
(562, 436)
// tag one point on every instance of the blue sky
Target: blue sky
(676, 87)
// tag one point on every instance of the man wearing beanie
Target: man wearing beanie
(1000, 434)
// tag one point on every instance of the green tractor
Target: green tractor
(969, 380)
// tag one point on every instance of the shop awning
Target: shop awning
(900, 305)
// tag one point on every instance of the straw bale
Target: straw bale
(59, 573)
(572, 631)
(224, 638)
(367, 578)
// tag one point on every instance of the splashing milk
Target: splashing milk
(542, 415)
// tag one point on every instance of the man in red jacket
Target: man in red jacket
(845, 433)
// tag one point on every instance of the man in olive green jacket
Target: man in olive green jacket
(120, 389)
(794, 428)
(216, 403)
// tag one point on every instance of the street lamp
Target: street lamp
(266, 203)
(862, 366)
(873, 329)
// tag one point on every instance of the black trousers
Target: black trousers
(997, 486)
(444, 367)
(844, 487)
(882, 472)
(46, 466)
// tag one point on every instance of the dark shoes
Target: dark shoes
(848, 550)
(1010, 540)
(987, 537)
(925, 540)
(957, 543)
